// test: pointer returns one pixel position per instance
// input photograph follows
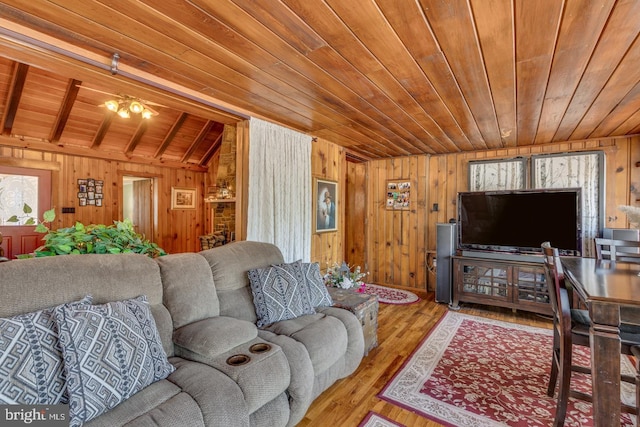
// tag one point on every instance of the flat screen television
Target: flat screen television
(519, 221)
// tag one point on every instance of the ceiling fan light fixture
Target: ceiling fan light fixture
(124, 113)
(112, 105)
(124, 105)
(136, 107)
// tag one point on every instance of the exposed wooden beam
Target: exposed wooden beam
(198, 140)
(71, 150)
(13, 98)
(102, 130)
(135, 139)
(212, 150)
(172, 133)
(65, 109)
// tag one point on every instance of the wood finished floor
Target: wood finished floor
(400, 329)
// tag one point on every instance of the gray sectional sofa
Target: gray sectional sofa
(224, 370)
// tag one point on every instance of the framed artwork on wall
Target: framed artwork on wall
(183, 198)
(325, 195)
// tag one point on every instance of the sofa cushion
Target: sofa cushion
(189, 292)
(31, 367)
(111, 351)
(216, 335)
(318, 294)
(279, 293)
(325, 338)
(229, 265)
(107, 278)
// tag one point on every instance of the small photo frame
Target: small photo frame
(325, 196)
(398, 195)
(183, 198)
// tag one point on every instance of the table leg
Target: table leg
(605, 363)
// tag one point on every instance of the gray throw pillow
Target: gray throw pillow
(279, 293)
(111, 351)
(31, 366)
(318, 293)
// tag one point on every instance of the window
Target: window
(495, 175)
(583, 170)
(16, 192)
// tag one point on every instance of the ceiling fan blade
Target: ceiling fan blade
(99, 91)
(153, 112)
(153, 103)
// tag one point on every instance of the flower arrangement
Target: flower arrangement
(344, 276)
(633, 214)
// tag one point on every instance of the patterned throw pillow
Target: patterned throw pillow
(31, 368)
(111, 351)
(279, 293)
(318, 293)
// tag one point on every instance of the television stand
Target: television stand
(504, 280)
(503, 256)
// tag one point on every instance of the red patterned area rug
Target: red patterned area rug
(472, 371)
(376, 420)
(390, 295)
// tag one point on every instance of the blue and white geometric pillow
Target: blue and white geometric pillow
(318, 293)
(279, 293)
(111, 351)
(31, 365)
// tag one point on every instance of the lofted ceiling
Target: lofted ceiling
(382, 78)
(46, 110)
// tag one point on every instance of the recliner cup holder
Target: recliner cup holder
(238, 360)
(259, 348)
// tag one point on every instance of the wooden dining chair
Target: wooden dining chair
(571, 326)
(617, 250)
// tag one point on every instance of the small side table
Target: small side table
(365, 307)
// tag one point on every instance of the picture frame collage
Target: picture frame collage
(398, 195)
(90, 192)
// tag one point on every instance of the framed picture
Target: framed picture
(325, 195)
(183, 198)
(398, 195)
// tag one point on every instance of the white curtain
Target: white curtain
(581, 170)
(279, 198)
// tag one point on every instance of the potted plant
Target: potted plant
(118, 238)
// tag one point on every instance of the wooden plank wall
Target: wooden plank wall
(328, 161)
(356, 207)
(396, 250)
(399, 242)
(177, 230)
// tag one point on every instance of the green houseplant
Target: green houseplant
(118, 238)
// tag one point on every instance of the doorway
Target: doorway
(138, 204)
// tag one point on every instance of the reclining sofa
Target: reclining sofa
(213, 365)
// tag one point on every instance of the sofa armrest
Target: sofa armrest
(213, 336)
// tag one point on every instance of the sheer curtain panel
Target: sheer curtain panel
(279, 199)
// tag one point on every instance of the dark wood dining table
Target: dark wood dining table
(611, 291)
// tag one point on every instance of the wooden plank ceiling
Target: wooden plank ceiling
(381, 77)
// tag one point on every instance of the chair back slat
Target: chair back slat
(558, 294)
(617, 250)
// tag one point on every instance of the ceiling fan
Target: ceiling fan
(124, 105)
